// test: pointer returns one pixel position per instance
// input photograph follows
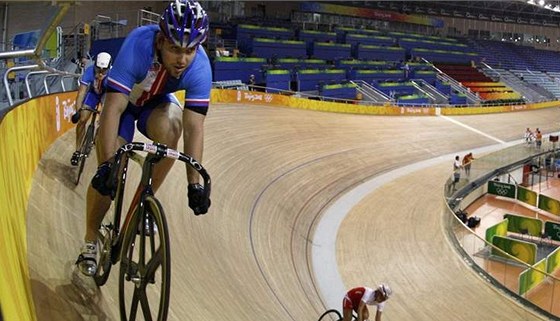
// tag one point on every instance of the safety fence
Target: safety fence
(505, 255)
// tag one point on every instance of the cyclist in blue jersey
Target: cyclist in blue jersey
(153, 62)
(92, 88)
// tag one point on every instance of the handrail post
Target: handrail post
(29, 74)
(7, 84)
(45, 81)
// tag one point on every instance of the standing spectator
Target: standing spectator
(406, 68)
(538, 138)
(528, 136)
(221, 50)
(467, 161)
(456, 172)
(251, 82)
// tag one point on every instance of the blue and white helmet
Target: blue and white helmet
(184, 23)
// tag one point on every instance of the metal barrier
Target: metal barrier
(40, 66)
(29, 74)
(7, 84)
(469, 244)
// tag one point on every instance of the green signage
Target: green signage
(553, 261)
(553, 230)
(524, 225)
(549, 204)
(525, 251)
(530, 278)
(499, 229)
(526, 195)
(501, 189)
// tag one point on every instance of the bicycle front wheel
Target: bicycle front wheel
(331, 315)
(144, 279)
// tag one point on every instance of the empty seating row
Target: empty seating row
(309, 79)
(341, 91)
(232, 68)
(444, 55)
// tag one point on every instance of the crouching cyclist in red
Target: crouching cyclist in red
(357, 299)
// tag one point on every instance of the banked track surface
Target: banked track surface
(275, 171)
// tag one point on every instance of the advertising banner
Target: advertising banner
(499, 229)
(501, 189)
(524, 225)
(552, 229)
(530, 278)
(526, 195)
(553, 261)
(525, 251)
(549, 204)
(25, 133)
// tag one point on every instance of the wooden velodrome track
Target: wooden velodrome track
(276, 171)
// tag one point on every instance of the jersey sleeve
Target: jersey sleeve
(88, 76)
(369, 295)
(199, 84)
(131, 61)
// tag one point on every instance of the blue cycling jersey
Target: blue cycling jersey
(137, 73)
(96, 88)
(94, 85)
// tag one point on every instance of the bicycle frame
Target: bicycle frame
(86, 144)
(156, 152)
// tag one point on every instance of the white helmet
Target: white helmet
(103, 60)
(385, 290)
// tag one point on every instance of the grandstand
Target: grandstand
(388, 49)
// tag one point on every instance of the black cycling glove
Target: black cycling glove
(76, 117)
(199, 202)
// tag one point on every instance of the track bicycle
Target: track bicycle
(334, 315)
(331, 315)
(141, 244)
(79, 157)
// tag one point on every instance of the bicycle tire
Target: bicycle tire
(106, 237)
(85, 149)
(145, 264)
(338, 316)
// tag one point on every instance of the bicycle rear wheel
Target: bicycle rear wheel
(331, 315)
(85, 149)
(144, 279)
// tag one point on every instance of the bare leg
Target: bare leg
(347, 315)
(96, 205)
(164, 126)
(365, 314)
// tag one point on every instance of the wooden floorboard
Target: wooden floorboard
(275, 171)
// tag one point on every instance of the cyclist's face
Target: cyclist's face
(100, 72)
(379, 297)
(174, 58)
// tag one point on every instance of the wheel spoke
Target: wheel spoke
(134, 306)
(145, 304)
(153, 264)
